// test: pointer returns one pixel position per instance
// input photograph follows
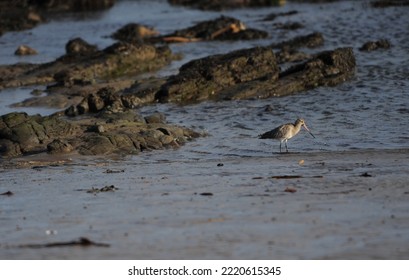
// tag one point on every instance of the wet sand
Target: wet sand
(301, 205)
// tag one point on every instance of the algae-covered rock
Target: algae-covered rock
(389, 3)
(205, 78)
(221, 28)
(79, 46)
(374, 45)
(311, 40)
(227, 4)
(84, 64)
(25, 14)
(105, 98)
(253, 73)
(134, 33)
(58, 146)
(327, 68)
(123, 132)
(24, 134)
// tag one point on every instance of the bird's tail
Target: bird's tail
(264, 135)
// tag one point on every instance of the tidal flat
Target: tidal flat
(225, 194)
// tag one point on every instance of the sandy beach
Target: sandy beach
(314, 205)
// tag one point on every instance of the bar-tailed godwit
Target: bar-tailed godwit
(285, 132)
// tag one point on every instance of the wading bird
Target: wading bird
(285, 132)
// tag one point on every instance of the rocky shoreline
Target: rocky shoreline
(16, 15)
(104, 174)
(104, 86)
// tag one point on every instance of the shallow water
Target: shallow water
(363, 116)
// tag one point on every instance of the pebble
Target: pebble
(25, 50)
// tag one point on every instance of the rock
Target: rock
(312, 40)
(205, 78)
(222, 28)
(96, 145)
(73, 5)
(268, 108)
(78, 46)
(34, 17)
(316, 1)
(327, 68)
(36, 92)
(227, 4)
(142, 92)
(25, 14)
(253, 73)
(389, 3)
(166, 139)
(288, 25)
(59, 147)
(371, 46)
(273, 16)
(134, 33)
(9, 148)
(25, 50)
(83, 65)
(104, 99)
(155, 118)
(290, 55)
(14, 16)
(96, 128)
(21, 134)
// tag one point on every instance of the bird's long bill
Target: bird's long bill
(306, 128)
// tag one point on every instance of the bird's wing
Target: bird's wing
(272, 134)
(278, 132)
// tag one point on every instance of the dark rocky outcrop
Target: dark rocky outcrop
(79, 46)
(288, 25)
(287, 54)
(18, 15)
(57, 146)
(246, 73)
(254, 73)
(134, 33)
(288, 50)
(21, 134)
(222, 28)
(371, 46)
(312, 40)
(389, 3)
(104, 99)
(206, 78)
(227, 4)
(72, 5)
(83, 64)
(273, 16)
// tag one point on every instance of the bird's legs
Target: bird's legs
(285, 143)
